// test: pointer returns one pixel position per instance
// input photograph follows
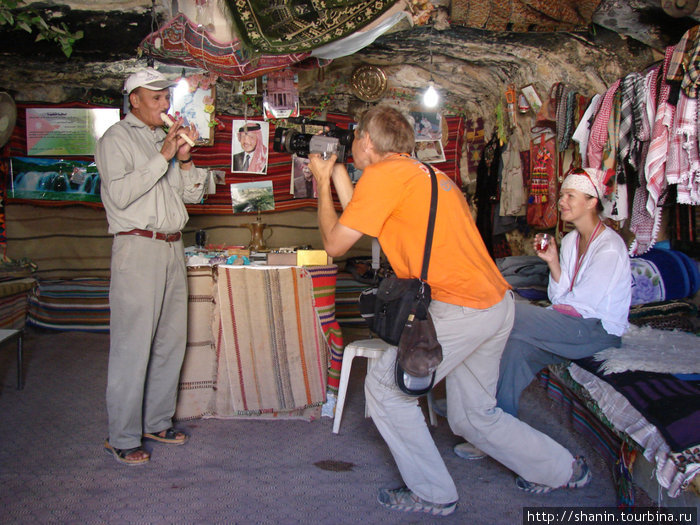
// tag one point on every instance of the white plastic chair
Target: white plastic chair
(371, 349)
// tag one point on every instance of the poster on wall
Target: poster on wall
(249, 146)
(252, 196)
(280, 94)
(67, 131)
(54, 179)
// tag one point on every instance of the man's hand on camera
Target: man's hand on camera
(322, 169)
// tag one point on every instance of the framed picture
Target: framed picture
(426, 125)
(249, 146)
(195, 101)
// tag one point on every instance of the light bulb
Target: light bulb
(431, 96)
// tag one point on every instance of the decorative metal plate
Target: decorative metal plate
(368, 82)
(679, 8)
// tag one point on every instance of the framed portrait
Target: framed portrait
(196, 106)
(249, 146)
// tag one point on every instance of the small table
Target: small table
(258, 341)
(7, 335)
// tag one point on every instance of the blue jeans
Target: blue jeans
(542, 337)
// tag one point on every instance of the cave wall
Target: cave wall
(471, 68)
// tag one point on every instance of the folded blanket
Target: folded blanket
(672, 405)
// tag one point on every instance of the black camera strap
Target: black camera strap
(431, 223)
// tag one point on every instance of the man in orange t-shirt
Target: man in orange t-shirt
(472, 309)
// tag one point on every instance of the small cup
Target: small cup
(542, 242)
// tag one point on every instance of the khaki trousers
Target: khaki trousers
(472, 343)
(148, 335)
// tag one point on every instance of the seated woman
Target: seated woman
(589, 288)
(590, 291)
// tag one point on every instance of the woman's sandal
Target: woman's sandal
(170, 436)
(122, 454)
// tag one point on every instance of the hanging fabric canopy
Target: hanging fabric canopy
(182, 42)
(275, 27)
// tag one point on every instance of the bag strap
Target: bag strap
(431, 223)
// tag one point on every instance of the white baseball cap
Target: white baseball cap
(148, 78)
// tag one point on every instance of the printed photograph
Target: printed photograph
(430, 151)
(252, 196)
(303, 182)
(249, 146)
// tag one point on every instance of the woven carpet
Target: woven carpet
(268, 356)
(289, 27)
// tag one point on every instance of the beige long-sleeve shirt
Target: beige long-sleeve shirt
(139, 188)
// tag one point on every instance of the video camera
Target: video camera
(332, 140)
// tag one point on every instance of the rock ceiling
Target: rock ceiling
(470, 65)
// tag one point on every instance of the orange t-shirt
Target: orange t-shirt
(391, 201)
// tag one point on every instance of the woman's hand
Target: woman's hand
(550, 253)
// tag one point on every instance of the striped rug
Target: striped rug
(268, 356)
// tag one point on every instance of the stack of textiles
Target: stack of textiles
(71, 304)
(640, 422)
(13, 302)
(15, 281)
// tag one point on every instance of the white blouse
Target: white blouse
(603, 285)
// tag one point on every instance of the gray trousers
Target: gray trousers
(472, 342)
(542, 337)
(148, 335)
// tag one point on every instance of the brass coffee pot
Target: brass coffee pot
(257, 235)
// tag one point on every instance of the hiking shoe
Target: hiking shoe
(405, 500)
(580, 477)
(468, 451)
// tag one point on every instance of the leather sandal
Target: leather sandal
(122, 454)
(170, 436)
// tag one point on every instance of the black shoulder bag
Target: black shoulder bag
(397, 311)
